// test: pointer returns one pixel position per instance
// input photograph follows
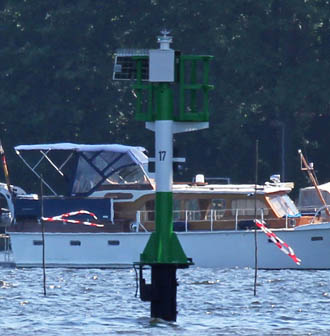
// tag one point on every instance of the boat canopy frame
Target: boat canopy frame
(136, 154)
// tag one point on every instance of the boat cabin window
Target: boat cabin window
(219, 207)
(218, 204)
(189, 206)
(150, 210)
(246, 207)
(193, 208)
(283, 205)
(176, 209)
(105, 169)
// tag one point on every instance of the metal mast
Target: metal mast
(156, 72)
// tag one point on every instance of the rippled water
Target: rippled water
(210, 302)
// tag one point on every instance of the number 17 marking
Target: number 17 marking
(162, 155)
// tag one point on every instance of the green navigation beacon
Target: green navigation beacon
(159, 74)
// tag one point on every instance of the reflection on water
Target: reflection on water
(210, 302)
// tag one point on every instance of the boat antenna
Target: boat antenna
(309, 168)
(43, 235)
(5, 167)
(255, 226)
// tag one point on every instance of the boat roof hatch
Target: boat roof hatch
(110, 163)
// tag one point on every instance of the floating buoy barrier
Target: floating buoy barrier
(64, 218)
(283, 246)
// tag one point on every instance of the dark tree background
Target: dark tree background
(271, 76)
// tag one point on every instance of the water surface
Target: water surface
(210, 302)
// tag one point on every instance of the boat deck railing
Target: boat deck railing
(214, 219)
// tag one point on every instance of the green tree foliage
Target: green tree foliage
(270, 74)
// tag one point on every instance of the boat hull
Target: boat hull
(217, 249)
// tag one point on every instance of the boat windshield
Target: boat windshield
(106, 169)
(283, 205)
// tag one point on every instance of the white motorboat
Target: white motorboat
(214, 222)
